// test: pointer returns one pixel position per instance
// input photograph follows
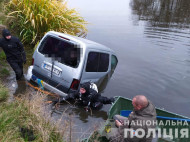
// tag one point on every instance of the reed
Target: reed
(33, 18)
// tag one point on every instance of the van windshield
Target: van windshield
(63, 51)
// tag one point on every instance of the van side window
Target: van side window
(92, 62)
(97, 62)
(103, 62)
(60, 50)
(113, 62)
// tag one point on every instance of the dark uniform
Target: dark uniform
(91, 98)
(14, 51)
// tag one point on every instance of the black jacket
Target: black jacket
(13, 49)
(90, 96)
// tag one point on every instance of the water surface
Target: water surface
(152, 42)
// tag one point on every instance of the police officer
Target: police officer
(89, 97)
(14, 52)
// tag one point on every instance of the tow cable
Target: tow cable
(56, 96)
(43, 91)
(48, 93)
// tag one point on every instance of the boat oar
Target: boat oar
(126, 113)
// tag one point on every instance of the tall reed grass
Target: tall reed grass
(33, 18)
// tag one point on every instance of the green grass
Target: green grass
(23, 113)
(3, 92)
(16, 115)
(3, 63)
(2, 55)
(4, 72)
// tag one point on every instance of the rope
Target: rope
(48, 93)
(53, 95)
(43, 91)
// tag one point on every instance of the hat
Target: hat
(6, 33)
(86, 86)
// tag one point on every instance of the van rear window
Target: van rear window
(97, 62)
(60, 50)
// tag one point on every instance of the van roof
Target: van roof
(88, 43)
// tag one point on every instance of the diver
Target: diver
(88, 96)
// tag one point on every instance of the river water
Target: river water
(152, 42)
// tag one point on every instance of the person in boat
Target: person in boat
(144, 111)
(89, 97)
(14, 52)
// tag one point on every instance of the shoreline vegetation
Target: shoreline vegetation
(25, 118)
(33, 18)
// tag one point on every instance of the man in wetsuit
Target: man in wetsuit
(89, 97)
(14, 52)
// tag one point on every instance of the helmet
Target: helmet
(89, 85)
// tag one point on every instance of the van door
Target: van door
(97, 67)
(59, 63)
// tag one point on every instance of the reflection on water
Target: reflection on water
(163, 13)
(168, 21)
(79, 112)
(83, 123)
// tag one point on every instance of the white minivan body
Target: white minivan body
(61, 62)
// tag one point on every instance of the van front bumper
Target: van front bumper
(43, 84)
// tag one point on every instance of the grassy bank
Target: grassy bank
(18, 124)
(4, 71)
(25, 120)
(3, 93)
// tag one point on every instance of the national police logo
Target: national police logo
(107, 128)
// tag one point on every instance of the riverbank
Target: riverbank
(25, 120)
(26, 114)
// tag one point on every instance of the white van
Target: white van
(61, 62)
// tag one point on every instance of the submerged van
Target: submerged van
(61, 62)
